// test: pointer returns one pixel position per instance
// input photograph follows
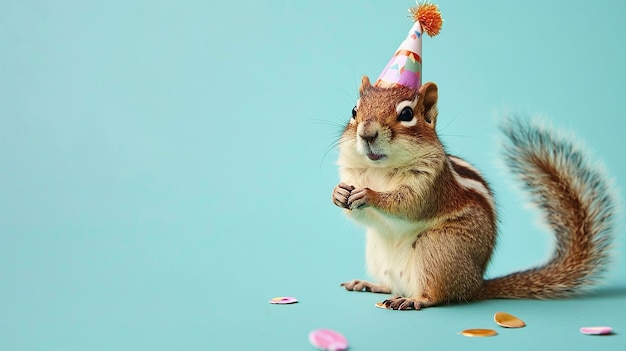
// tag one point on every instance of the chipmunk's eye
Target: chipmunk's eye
(406, 115)
(354, 112)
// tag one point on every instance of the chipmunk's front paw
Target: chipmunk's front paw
(360, 198)
(341, 193)
(402, 303)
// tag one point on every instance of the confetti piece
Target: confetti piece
(380, 305)
(508, 320)
(478, 333)
(283, 300)
(326, 339)
(596, 330)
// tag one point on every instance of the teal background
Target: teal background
(166, 167)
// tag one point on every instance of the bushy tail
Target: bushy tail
(578, 205)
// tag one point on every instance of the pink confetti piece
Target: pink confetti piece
(326, 339)
(596, 330)
(283, 300)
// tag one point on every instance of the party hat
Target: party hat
(405, 67)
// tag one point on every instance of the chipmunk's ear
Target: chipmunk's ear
(365, 84)
(428, 95)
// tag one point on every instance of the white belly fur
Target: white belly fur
(390, 256)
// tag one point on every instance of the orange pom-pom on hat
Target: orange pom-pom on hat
(428, 16)
(405, 67)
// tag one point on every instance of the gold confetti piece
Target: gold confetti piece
(478, 333)
(381, 305)
(508, 320)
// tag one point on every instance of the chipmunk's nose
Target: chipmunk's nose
(368, 131)
(369, 137)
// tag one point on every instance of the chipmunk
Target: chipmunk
(431, 217)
